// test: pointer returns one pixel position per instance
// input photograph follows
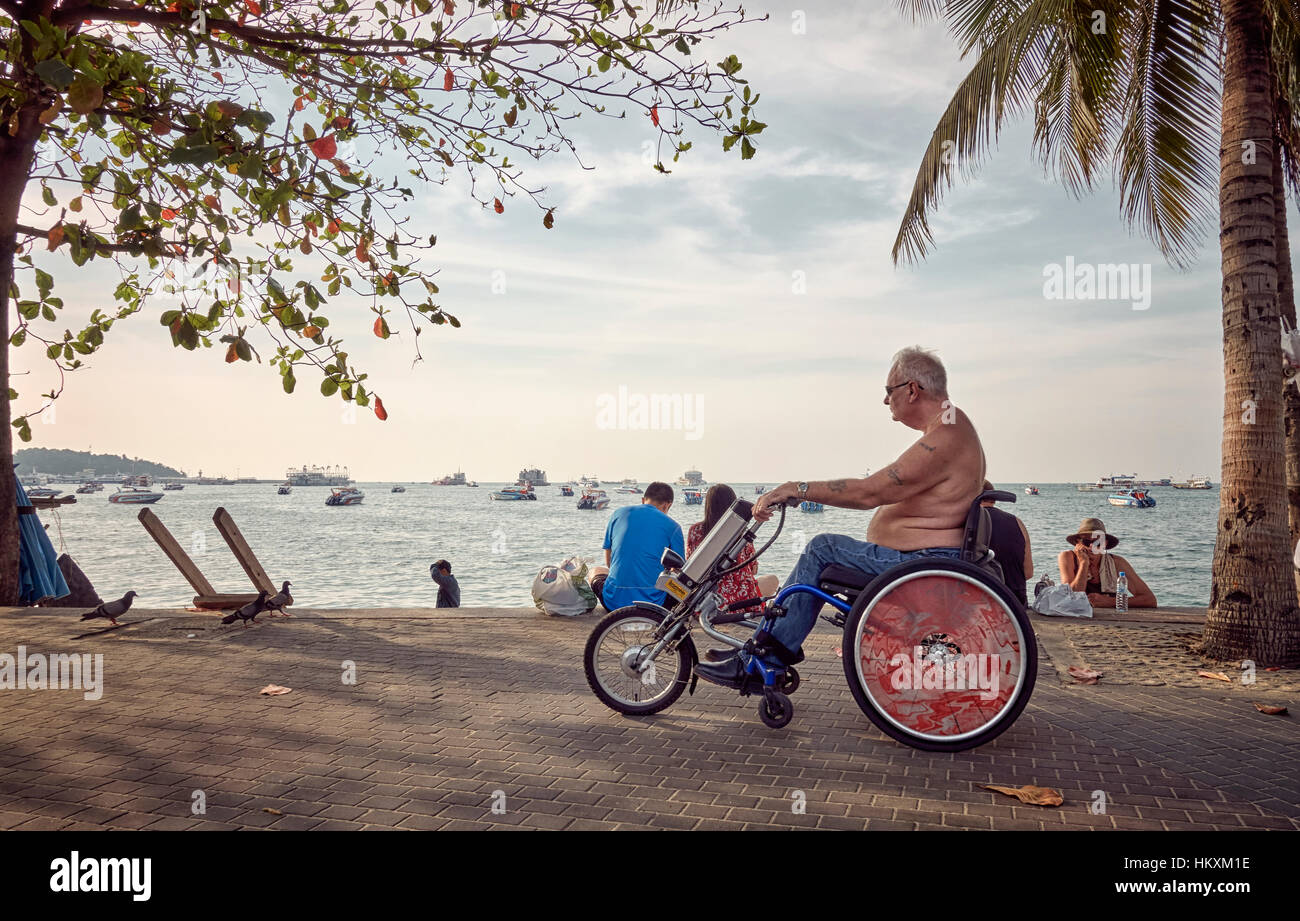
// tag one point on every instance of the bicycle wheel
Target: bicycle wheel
(618, 672)
(939, 655)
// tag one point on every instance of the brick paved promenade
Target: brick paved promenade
(450, 707)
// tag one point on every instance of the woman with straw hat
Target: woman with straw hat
(1091, 567)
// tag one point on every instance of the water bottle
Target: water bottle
(1121, 593)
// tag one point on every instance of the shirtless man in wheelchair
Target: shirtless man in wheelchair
(922, 502)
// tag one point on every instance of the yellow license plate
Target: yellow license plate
(676, 589)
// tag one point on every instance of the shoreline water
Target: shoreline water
(377, 554)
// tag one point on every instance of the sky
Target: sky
(757, 296)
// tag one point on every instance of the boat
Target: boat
(811, 507)
(134, 495)
(566, 490)
(317, 476)
(1031, 490)
(1131, 498)
(589, 481)
(693, 496)
(345, 495)
(593, 499)
(532, 475)
(452, 479)
(759, 490)
(630, 485)
(86, 488)
(1196, 482)
(514, 493)
(1117, 481)
(472, 484)
(399, 489)
(691, 478)
(42, 492)
(285, 488)
(173, 486)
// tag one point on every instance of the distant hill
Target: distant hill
(62, 462)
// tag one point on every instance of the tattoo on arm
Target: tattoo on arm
(926, 446)
(893, 475)
(836, 485)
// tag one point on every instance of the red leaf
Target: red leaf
(298, 104)
(496, 203)
(449, 7)
(56, 236)
(449, 80)
(211, 202)
(381, 327)
(379, 409)
(332, 227)
(253, 7)
(654, 115)
(168, 214)
(341, 122)
(232, 354)
(324, 147)
(515, 11)
(401, 59)
(363, 251)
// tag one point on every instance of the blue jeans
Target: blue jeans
(824, 549)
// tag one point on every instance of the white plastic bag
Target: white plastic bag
(562, 591)
(1064, 601)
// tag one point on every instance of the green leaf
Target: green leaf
(85, 96)
(55, 73)
(328, 388)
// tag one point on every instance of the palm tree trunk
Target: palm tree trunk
(1253, 609)
(1290, 392)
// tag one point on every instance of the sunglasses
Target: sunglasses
(889, 391)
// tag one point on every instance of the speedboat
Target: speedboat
(514, 493)
(693, 496)
(285, 488)
(1031, 490)
(173, 486)
(472, 484)
(566, 490)
(593, 499)
(399, 489)
(759, 490)
(85, 488)
(591, 481)
(345, 495)
(629, 485)
(1131, 498)
(811, 507)
(134, 495)
(42, 492)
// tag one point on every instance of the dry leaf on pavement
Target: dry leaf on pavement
(273, 689)
(1270, 709)
(1084, 675)
(1034, 796)
(1217, 676)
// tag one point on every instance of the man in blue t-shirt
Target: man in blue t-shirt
(634, 541)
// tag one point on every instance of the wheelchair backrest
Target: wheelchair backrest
(979, 527)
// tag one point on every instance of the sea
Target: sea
(378, 553)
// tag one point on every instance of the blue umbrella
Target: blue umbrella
(39, 576)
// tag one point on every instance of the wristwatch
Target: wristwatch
(803, 491)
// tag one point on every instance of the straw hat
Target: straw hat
(1088, 531)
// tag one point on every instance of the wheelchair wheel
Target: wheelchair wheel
(617, 672)
(939, 655)
(791, 682)
(775, 709)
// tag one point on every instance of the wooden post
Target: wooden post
(244, 553)
(207, 597)
(180, 559)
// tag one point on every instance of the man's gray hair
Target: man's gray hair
(917, 364)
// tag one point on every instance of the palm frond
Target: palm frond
(1082, 93)
(999, 84)
(1167, 156)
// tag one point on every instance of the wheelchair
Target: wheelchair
(937, 652)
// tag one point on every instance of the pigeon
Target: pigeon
(111, 609)
(249, 611)
(280, 600)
